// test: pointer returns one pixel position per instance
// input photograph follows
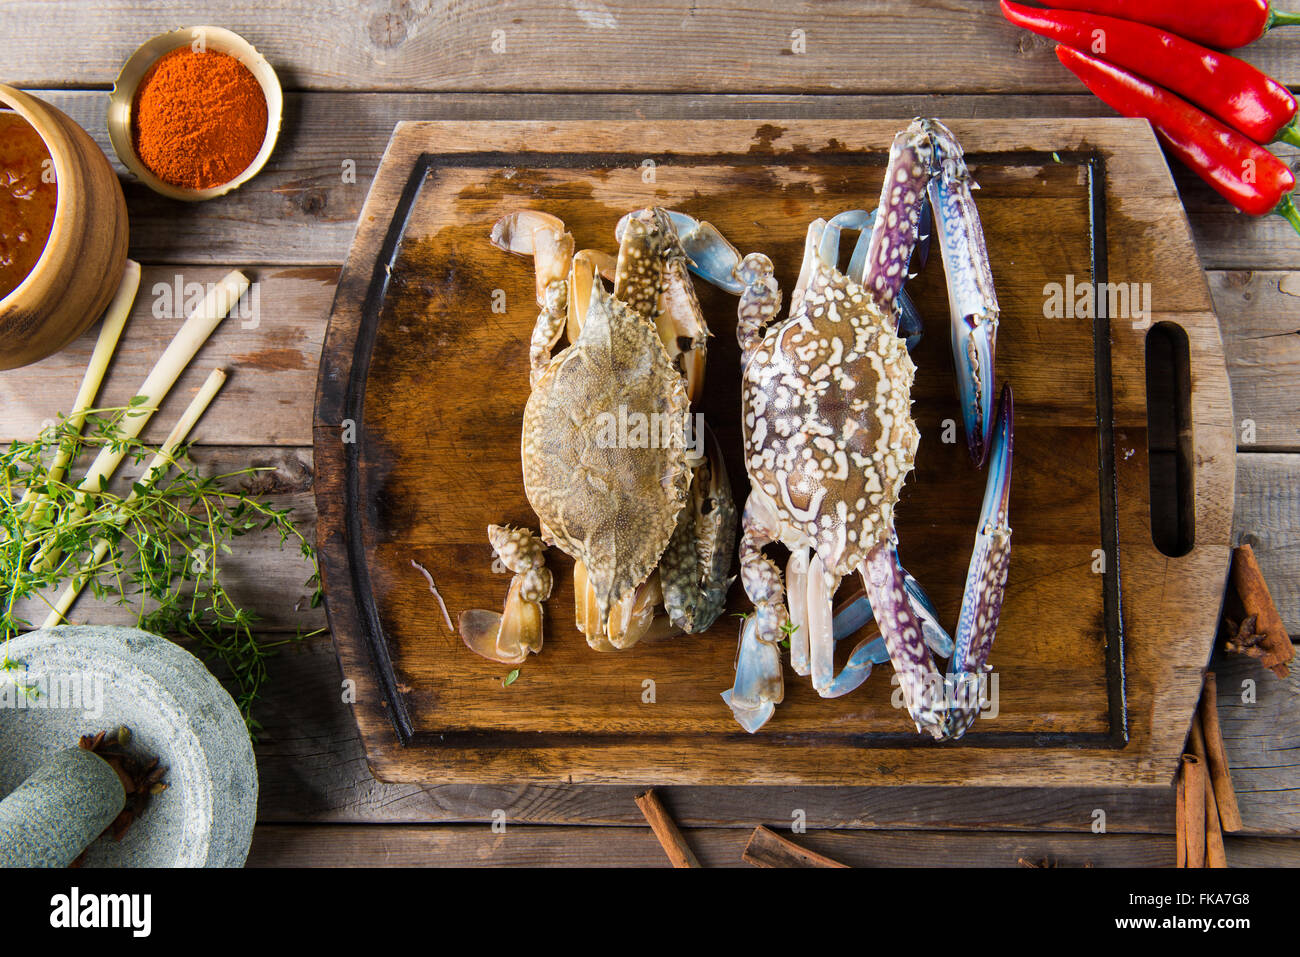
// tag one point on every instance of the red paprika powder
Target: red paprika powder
(199, 118)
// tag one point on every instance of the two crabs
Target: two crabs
(829, 440)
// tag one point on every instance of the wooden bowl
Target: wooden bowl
(82, 264)
(122, 100)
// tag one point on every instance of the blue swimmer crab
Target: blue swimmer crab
(830, 439)
(650, 524)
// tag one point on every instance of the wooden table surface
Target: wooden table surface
(353, 70)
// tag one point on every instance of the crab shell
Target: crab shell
(614, 509)
(829, 435)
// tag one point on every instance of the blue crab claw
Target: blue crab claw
(872, 650)
(921, 684)
(711, 255)
(857, 614)
(985, 580)
(920, 252)
(759, 685)
(909, 317)
(869, 651)
(909, 320)
(971, 297)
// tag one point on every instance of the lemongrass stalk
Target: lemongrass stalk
(110, 331)
(191, 336)
(158, 467)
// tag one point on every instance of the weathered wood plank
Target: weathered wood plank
(1260, 717)
(1268, 517)
(270, 346)
(273, 360)
(313, 770)
(461, 846)
(1259, 317)
(482, 46)
(304, 184)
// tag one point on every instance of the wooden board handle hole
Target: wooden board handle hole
(1169, 439)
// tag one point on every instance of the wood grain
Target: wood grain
(769, 849)
(905, 45)
(270, 346)
(461, 846)
(304, 184)
(455, 200)
(1259, 314)
(314, 770)
(1268, 518)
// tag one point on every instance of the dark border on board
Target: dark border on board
(354, 407)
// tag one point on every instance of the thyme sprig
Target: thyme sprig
(166, 545)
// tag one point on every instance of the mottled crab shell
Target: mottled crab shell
(829, 436)
(613, 508)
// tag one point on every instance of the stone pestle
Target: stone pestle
(49, 819)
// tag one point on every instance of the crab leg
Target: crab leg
(822, 585)
(695, 568)
(869, 651)
(511, 636)
(889, 253)
(909, 317)
(796, 583)
(542, 236)
(587, 265)
(985, 580)
(715, 260)
(857, 614)
(973, 302)
(756, 662)
(759, 683)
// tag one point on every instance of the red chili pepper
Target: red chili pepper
(1242, 171)
(1226, 24)
(1224, 86)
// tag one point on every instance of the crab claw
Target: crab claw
(909, 317)
(528, 232)
(869, 651)
(511, 636)
(972, 301)
(985, 580)
(759, 685)
(922, 687)
(856, 614)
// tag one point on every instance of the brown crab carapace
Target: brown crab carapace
(622, 476)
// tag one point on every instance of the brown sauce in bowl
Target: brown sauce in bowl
(28, 196)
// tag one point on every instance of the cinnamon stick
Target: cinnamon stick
(1220, 775)
(769, 849)
(1215, 855)
(1271, 644)
(1180, 819)
(665, 830)
(1194, 808)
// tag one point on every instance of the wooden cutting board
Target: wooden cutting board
(422, 386)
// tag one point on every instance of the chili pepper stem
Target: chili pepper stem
(1280, 18)
(1286, 207)
(1288, 134)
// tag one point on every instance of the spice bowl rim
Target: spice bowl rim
(14, 100)
(127, 83)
